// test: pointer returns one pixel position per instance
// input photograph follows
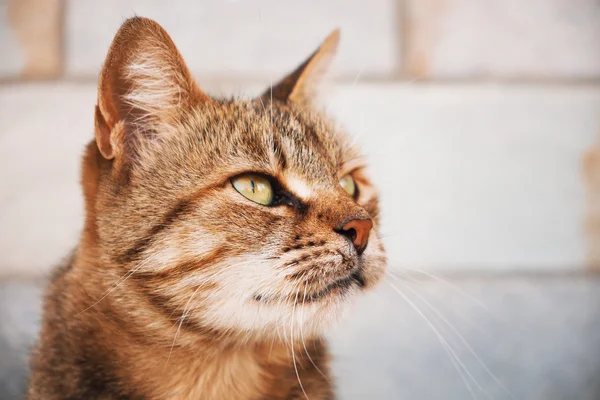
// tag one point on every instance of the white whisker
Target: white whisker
(302, 337)
(118, 283)
(448, 283)
(458, 365)
(460, 337)
(183, 315)
(292, 343)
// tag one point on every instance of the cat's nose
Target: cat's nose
(357, 230)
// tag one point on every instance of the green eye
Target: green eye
(347, 182)
(254, 187)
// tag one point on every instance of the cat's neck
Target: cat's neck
(239, 372)
(165, 360)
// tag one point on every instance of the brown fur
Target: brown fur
(181, 288)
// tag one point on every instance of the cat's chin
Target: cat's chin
(267, 318)
(337, 288)
(314, 316)
(309, 310)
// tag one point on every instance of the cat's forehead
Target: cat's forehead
(274, 136)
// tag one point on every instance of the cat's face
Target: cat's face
(235, 216)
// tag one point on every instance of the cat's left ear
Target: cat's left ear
(301, 86)
(143, 87)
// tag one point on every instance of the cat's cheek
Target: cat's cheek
(233, 304)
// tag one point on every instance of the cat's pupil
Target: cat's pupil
(253, 186)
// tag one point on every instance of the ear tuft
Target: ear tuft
(144, 83)
(301, 86)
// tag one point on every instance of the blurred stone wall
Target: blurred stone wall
(481, 121)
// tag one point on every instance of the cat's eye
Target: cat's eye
(254, 187)
(348, 184)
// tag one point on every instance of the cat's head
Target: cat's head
(234, 216)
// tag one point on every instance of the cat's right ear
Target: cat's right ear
(143, 86)
(301, 86)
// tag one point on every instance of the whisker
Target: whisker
(262, 104)
(302, 337)
(118, 283)
(460, 337)
(206, 279)
(288, 302)
(458, 365)
(358, 133)
(183, 315)
(273, 340)
(186, 311)
(413, 281)
(292, 343)
(271, 94)
(448, 283)
(301, 110)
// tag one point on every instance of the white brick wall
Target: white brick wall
(253, 38)
(504, 38)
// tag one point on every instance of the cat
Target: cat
(222, 237)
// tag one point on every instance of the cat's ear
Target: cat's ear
(144, 84)
(301, 86)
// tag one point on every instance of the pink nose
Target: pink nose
(357, 230)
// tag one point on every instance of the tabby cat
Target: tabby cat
(221, 238)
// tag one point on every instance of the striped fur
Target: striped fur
(180, 288)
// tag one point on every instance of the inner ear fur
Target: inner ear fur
(144, 84)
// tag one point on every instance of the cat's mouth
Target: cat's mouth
(337, 287)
